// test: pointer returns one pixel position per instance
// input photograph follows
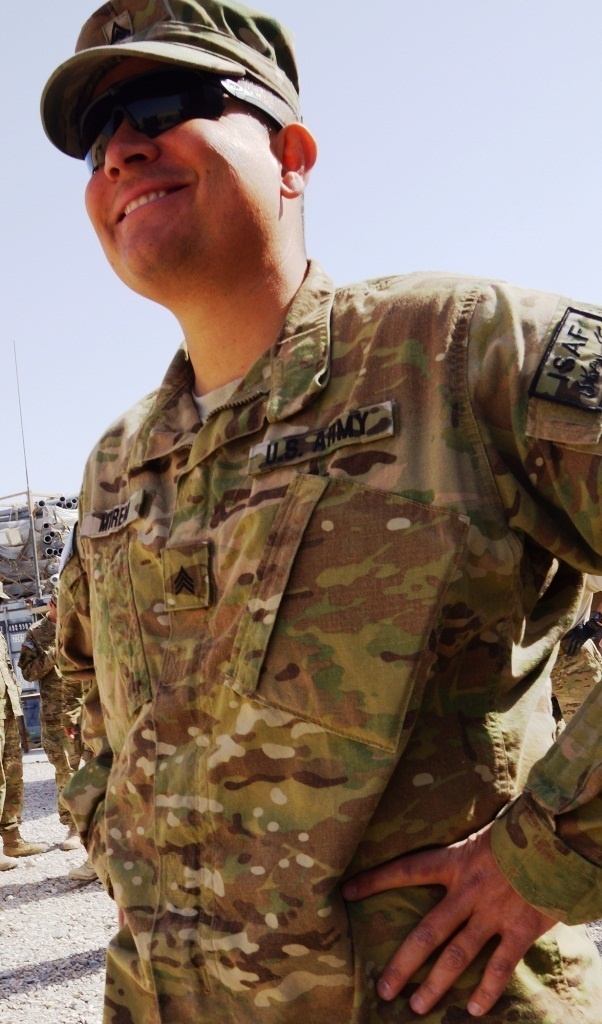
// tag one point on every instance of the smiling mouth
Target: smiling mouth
(150, 197)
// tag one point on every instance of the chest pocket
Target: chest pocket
(338, 623)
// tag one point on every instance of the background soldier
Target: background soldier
(11, 770)
(37, 661)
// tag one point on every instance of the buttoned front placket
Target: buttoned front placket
(210, 494)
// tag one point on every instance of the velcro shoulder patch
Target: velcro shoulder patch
(570, 372)
(355, 426)
(99, 524)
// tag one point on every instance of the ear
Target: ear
(297, 152)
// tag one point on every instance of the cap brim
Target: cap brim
(69, 90)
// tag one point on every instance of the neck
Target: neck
(227, 330)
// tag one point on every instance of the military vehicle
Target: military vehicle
(34, 529)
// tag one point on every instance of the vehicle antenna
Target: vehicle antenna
(29, 501)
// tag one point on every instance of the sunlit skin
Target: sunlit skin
(479, 904)
(223, 249)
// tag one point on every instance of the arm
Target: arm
(510, 880)
(85, 792)
(501, 881)
(36, 660)
(558, 819)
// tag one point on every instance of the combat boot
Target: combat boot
(72, 840)
(84, 873)
(6, 863)
(16, 846)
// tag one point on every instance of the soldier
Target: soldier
(319, 579)
(37, 662)
(11, 764)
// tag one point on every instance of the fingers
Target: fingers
(453, 962)
(460, 952)
(429, 868)
(497, 974)
(479, 903)
(437, 927)
(530, 924)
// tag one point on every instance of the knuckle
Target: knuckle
(501, 966)
(392, 974)
(455, 957)
(424, 936)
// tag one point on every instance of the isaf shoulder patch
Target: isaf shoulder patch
(570, 372)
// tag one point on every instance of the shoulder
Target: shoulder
(126, 438)
(120, 436)
(34, 630)
(33, 637)
(113, 451)
(425, 291)
(426, 307)
(537, 353)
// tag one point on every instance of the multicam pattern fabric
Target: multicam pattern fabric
(574, 676)
(9, 688)
(218, 36)
(11, 766)
(37, 662)
(309, 666)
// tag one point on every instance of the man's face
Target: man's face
(201, 201)
(52, 612)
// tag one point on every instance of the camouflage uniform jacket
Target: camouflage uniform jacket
(9, 688)
(322, 627)
(37, 661)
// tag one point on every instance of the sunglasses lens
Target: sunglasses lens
(152, 104)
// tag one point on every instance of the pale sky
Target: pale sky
(459, 135)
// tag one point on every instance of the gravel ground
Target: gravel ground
(53, 931)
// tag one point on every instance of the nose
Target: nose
(126, 147)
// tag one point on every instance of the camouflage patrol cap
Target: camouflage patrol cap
(222, 37)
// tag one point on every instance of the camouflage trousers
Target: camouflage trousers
(559, 981)
(11, 775)
(64, 755)
(574, 676)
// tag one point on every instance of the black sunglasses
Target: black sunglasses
(156, 101)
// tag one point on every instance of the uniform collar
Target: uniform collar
(301, 357)
(283, 380)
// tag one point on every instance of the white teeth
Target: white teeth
(142, 201)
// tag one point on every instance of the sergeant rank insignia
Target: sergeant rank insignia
(571, 370)
(118, 29)
(187, 576)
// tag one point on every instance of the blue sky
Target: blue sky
(458, 136)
